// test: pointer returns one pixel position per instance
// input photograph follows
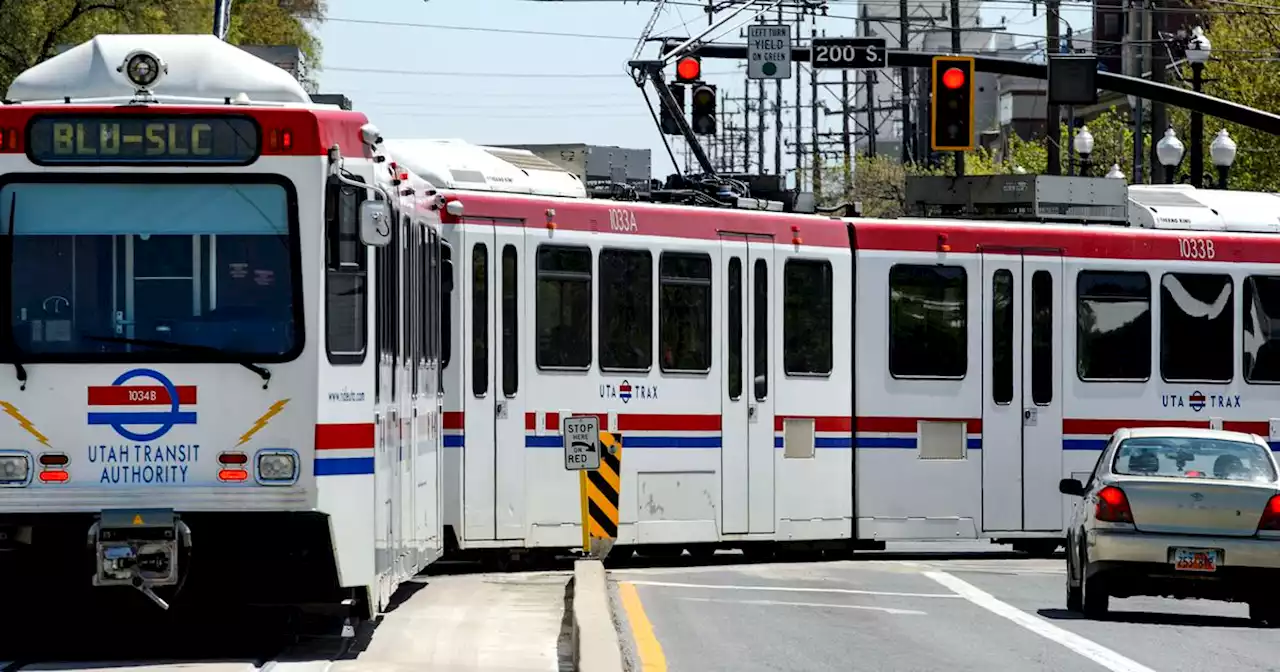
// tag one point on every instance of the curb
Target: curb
(595, 638)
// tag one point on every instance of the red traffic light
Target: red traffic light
(688, 69)
(953, 78)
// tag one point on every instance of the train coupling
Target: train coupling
(138, 548)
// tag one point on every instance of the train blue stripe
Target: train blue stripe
(143, 418)
(826, 442)
(344, 466)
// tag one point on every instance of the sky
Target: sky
(470, 69)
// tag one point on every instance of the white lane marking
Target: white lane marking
(792, 589)
(1085, 647)
(777, 603)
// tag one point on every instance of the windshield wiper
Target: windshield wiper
(190, 347)
(18, 368)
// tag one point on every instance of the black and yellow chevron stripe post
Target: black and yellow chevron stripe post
(600, 489)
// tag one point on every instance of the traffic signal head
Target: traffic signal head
(951, 121)
(689, 69)
(704, 109)
(669, 124)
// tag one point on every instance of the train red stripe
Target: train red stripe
(345, 436)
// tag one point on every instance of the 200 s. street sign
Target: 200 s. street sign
(581, 442)
(845, 53)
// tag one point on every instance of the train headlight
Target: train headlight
(275, 466)
(143, 68)
(15, 469)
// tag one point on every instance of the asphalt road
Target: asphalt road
(917, 611)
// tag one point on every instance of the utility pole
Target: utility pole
(777, 116)
(845, 111)
(746, 126)
(1158, 60)
(904, 78)
(869, 80)
(760, 126)
(955, 47)
(1053, 114)
(813, 112)
(1133, 61)
(799, 117)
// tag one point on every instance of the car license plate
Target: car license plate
(1195, 559)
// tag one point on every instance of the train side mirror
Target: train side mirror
(375, 223)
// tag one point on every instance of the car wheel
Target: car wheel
(1075, 592)
(1265, 614)
(1096, 602)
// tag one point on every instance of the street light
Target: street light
(1198, 52)
(1083, 145)
(1169, 150)
(1115, 172)
(1223, 154)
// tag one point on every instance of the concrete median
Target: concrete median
(595, 637)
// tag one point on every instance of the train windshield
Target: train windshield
(160, 271)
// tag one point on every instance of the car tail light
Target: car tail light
(1113, 506)
(1270, 520)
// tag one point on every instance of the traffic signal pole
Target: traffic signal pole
(955, 47)
(653, 71)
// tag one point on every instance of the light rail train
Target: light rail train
(789, 379)
(223, 333)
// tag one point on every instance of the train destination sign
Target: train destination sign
(143, 140)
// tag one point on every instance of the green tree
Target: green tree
(32, 30)
(1243, 70)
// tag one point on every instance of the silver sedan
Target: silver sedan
(1182, 513)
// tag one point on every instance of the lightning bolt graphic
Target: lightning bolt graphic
(14, 413)
(262, 422)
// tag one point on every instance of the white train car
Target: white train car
(223, 329)
(794, 379)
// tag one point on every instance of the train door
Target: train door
(746, 453)
(494, 456)
(410, 284)
(508, 413)
(1042, 391)
(400, 396)
(387, 295)
(1022, 416)
(478, 457)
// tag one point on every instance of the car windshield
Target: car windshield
(109, 269)
(1191, 457)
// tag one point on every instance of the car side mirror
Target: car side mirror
(375, 223)
(1070, 486)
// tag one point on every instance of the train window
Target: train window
(1197, 328)
(1261, 344)
(1042, 338)
(626, 310)
(510, 323)
(928, 321)
(564, 307)
(1002, 336)
(807, 317)
(684, 311)
(480, 320)
(1113, 326)
(735, 328)
(346, 277)
(446, 306)
(760, 329)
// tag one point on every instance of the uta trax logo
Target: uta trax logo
(136, 397)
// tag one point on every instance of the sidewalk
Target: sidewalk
(517, 622)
